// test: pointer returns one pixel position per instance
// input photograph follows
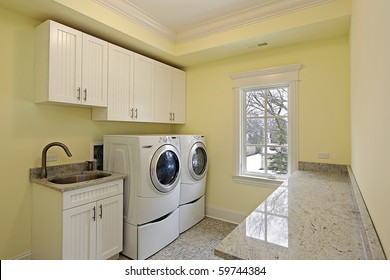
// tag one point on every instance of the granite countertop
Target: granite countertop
(70, 169)
(312, 215)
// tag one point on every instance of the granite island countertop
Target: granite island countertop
(312, 215)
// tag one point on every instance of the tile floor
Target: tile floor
(197, 243)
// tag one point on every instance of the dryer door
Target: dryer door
(165, 168)
(197, 161)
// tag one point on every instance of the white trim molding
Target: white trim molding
(224, 214)
(25, 257)
(275, 75)
(269, 10)
(132, 13)
(284, 75)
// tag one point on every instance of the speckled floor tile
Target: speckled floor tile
(197, 243)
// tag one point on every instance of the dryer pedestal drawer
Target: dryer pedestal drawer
(140, 242)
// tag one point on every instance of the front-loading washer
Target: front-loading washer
(152, 166)
(193, 180)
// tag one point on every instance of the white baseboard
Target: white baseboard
(224, 214)
(24, 257)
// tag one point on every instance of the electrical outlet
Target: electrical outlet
(51, 157)
(323, 155)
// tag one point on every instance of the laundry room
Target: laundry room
(219, 132)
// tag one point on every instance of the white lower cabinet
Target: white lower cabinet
(93, 231)
(88, 225)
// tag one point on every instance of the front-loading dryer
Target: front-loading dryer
(152, 166)
(194, 159)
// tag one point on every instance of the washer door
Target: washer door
(165, 168)
(197, 161)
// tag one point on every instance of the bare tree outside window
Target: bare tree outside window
(266, 132)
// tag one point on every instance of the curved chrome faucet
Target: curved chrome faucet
(44, 155)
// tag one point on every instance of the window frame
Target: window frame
(265, 117)
(283, 76)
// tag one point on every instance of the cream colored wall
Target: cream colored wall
(323, 112)
(27, 127)
(370, 115)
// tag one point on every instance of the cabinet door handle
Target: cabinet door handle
(85, 94)
(94, 213)
(170, 116)
(101, 211)
(79, 93)
(132, 113)
(136, 113)
(173, 114)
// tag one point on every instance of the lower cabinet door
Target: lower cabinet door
(109, 227)
(94, 230)
(79, 232)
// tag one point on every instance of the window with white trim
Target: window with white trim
(266, 124)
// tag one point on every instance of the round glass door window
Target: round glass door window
(165, 168)
(198, 161)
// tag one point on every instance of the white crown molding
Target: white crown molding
(253, 15)
(132, 13)
(242, 18)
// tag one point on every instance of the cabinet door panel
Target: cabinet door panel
(94, 71)
(179, 96)
(143, 101)
(120, 83)
(162, 93)
(109, 227)
(79, 233)
(64, 63)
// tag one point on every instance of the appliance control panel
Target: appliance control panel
(198, 137)
(169, 140)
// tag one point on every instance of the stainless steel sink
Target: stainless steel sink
(76, 178)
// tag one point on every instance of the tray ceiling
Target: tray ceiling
(184, 20)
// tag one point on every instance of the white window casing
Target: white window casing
(286, 76)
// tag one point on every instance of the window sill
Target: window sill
(258, 182)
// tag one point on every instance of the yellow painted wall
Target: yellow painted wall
(26, 127)
(370, 115)
(323, 112)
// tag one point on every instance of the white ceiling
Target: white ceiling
(180, 15)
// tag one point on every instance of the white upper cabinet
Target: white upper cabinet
(130, 87)
(94, 71)
(143, 102)
(178, 101)
(75, 68)
(70, 66)
(120, 86)
(162, 93)
(169, 94)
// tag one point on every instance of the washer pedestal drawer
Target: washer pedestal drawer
(191, 214)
